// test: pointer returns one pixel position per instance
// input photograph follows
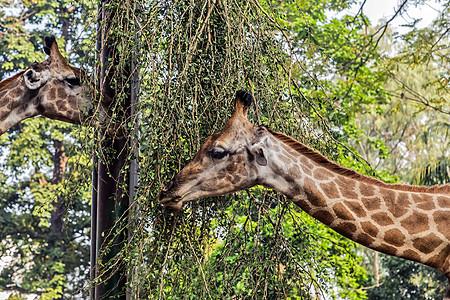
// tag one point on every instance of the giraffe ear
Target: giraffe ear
(260, 157)
(35, 79)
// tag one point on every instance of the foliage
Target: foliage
(313, 76)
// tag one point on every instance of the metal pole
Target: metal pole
(93, 250)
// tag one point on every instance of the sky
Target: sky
(377, 10)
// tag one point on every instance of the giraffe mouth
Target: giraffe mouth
(171, 203)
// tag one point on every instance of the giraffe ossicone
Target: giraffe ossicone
(411, 222)
(53, 89)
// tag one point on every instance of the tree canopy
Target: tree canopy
(366, 97)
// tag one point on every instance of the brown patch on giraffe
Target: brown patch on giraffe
(72, 102)
(349, 187)
(366, 189)
(345, 228)
(330, 190)
(285, 159)
(424, 201)
(3, 100)
(369, 228)
(415, 223)
(398, 206)
(349, 194)
(4, 115)
(61, 105)
(347, 182)
(427, 244)
(290, 154)
(306, 165)
(426, 206)
(442, 220)
(322, 174)
(365, 239)
(17, 92)
(303, 204)
(443, 201)
(294, 172)
(411, 254)
(394, 237)
(62, 93)
(323, 216)
(52, 94)
(388, 249)
(356, 208)
(315, 198)
(382, 219)
(342, 212)
(372, 203)
(436, 261)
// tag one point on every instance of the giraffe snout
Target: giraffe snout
(165, 195)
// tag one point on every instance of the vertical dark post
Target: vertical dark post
(112, 200)
(93, 250)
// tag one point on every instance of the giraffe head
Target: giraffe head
(58, 91)
(228, 161)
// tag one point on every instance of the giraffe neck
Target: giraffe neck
(17, 102)
(399, 220)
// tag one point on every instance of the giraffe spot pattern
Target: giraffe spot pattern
(356, 208)
(17, 92)
(73, 102)
(349, 184)
(411, 254)
(424, 199)
(52, 94)
(323, 174)
(382, 219)
(342, 212)
(443, 201)
(314, 196)
(294, 172)
(330, 190)
(366, 189)
(306, 165)
(398, 207)
(62, 93)
(345, 228)
(394, 237)
(388, 249)
(369, 228)
(372, 203)
(349, 194)
(365, 239)
(442, 220)
(436, 260)
(415, 223)
(323, 216)
(427, 244)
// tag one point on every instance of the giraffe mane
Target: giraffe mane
(336, 168)
(5, 82)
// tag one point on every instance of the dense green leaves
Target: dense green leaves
(323, 80)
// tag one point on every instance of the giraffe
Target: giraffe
(412, 222)
(51, 88)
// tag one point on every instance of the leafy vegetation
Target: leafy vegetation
(330, 82)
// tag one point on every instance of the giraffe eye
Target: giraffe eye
(218, 154)
(73, 81)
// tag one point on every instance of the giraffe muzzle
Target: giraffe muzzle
(166, 195)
